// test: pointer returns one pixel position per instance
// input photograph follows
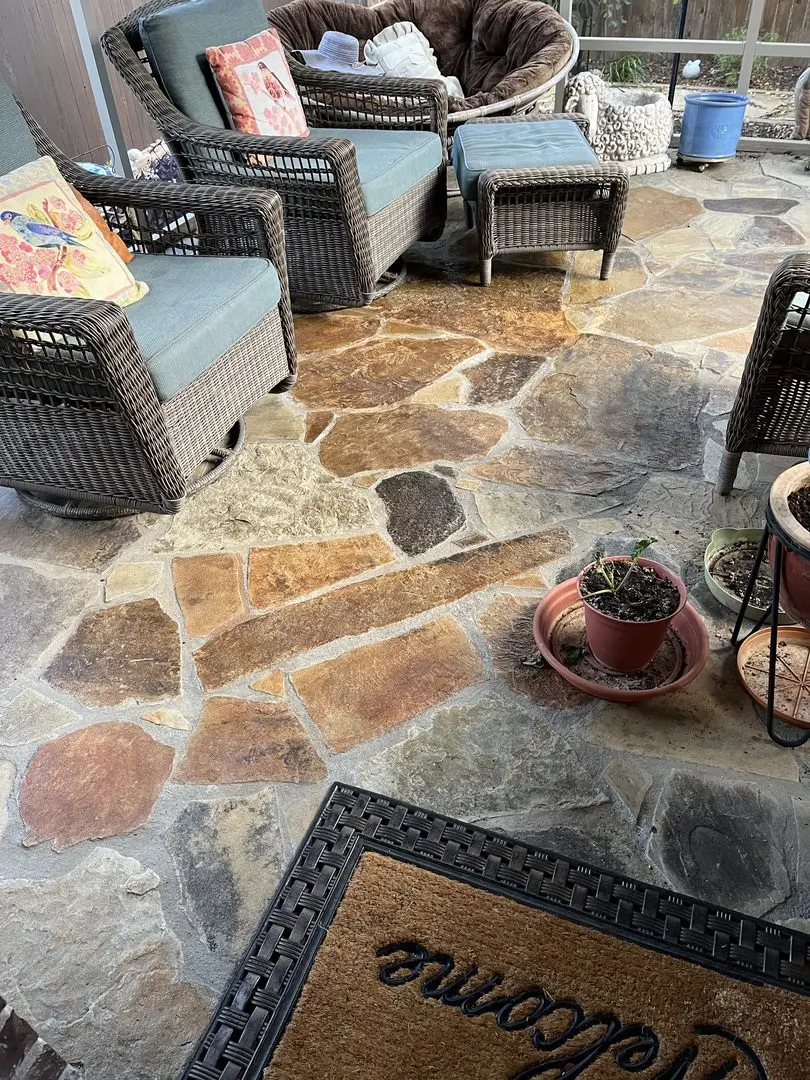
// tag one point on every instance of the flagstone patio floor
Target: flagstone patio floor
(353, 602)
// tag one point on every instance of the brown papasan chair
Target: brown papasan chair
(505, 53)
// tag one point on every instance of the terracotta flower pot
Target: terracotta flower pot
(624, 645)
(794, 593)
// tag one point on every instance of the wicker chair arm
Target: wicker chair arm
(790, 277)
(91, 321)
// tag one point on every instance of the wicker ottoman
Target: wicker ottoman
(532, 183)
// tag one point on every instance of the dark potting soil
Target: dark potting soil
(643, 597)
(731, 567)
(799, 506)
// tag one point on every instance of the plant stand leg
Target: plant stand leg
(486, 271)
(608, 259)
(749, 588)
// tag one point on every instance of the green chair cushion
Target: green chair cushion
(524, 144)
(175, 40)
(390, 163)
(17, 146)
(197, 307)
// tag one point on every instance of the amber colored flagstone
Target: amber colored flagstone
(653, 210)
(287, 571)
(273, 683)
(100, 781)
(317, 423)
(239, 742)
(209, 590)
(260, 643)
(377, 687)
(334, 330)
(408, 435)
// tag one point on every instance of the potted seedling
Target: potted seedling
(629, 603)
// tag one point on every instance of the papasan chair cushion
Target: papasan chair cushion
(497, 49)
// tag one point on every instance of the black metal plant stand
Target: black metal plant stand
(782, 542)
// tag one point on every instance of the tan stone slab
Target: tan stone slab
(97, 782)
(528, 581)
(7, 775)
(657, 316)
(724, 230)
(652, 210)
(238, 742)
(445, 392)
(317, 423)
(209, 590)
(408, 435)
(31, 717)
(799, 217)
(399, 327)
(739, 341)
(377, 687)
(678, 244)
(334, 330)
(710, 722)
(129, 579)
(277, 574)
(270, 684)
(381, 372)
(170, 718)
(545, 467)
(260, 643)
(586, 286)
(272, 418)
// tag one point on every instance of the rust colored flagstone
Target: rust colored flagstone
(317, 423)
(240, 741)
(406, 436)
(100, 781)
(287, 571)
(377, 687)
(380, 372)
(260, 643)
(652, 210)
(210, 591)
(334, 330)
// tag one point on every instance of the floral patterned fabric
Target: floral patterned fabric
(49, 246)
(257, 87)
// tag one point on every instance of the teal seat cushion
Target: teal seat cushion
(17, 146)
(390, 163)
(175, 40)
(197, 307)
(527, 144)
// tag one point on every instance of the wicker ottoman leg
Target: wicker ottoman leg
(727, 472)
(486, 271)
(608, 259)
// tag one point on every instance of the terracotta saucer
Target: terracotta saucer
(559, 631)
(792, 688)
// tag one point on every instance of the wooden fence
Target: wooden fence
(41, 58)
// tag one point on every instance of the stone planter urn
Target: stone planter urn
(630, 126)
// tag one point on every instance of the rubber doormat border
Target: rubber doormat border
(250, 1018)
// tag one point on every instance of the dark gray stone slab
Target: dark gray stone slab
(750, 205)
(422, 510)
(607, 844)
(724, 841)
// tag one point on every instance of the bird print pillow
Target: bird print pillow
(49, 246)
(256, 85)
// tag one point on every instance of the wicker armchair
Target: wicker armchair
(84, 429)
(771, 413)
(338, 254)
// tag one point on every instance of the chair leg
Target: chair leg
(469, 217)
(486, 271)
(608, 259)
(727, 472)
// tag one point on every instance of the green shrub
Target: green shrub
(625, 69)
(730, 65)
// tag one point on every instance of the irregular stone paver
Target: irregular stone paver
(238, 741)
(786, 167)
(507, 626)
(43, 606)
(630, 782)
(131, 651)
(100, 781)
(270, 684)
(768, 231)
(669, 247)
(129, 579)
(381, 372)
(407, 435)
(609, 397)
(210, 591)
(317, 423)
(285, 572)
(586, 286)
(26, 533)
(553, 469)
(108, 989)
(511, 513)
(228, 856)
(603, 841)
(274, 490)
(799, 217)
(749, 205)
(365, 605)
(170, 718)
(653, 210)
(520, 312)
(500, 377)
(700, 274)
(334, 330)
(422, 510)
(723, 840)
(31, 717)
(7, 775)
(763, 262)
(375, 688)
(272, 418)
(659, 316)
(724, 230)
(519, 763)
(445, 392)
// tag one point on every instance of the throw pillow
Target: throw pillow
(257, 87)
(50, 247)
(98, 219)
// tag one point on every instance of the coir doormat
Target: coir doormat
(404, 945)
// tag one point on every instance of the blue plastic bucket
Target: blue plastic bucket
(712, 125)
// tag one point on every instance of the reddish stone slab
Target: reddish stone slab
(287, 571)
(210, 591)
